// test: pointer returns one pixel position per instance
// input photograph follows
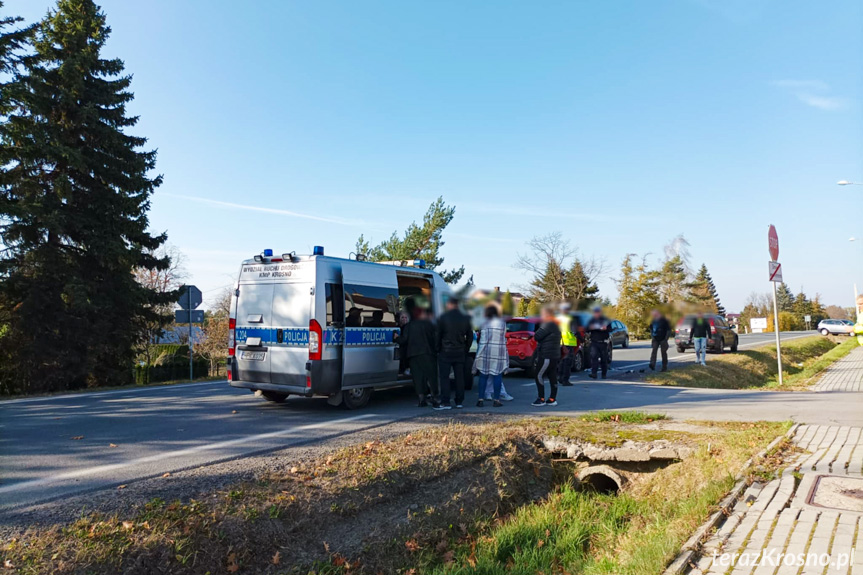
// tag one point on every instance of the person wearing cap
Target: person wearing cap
(569, 344)
(599, 330)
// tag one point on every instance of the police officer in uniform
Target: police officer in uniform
(599, 329)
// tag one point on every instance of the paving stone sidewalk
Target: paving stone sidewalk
(844, 375)
(815, 507)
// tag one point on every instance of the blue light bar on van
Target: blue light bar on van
(268, 253)
(420, 263)
(318, 251)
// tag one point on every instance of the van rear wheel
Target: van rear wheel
(356, 398)
(274, 396)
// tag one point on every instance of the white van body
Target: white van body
(319, 325)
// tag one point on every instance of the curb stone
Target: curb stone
(690, 549)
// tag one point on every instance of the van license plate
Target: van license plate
(252, 355)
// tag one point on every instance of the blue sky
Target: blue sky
(621, 124)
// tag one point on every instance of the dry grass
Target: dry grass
(750, 369)
(433, 500)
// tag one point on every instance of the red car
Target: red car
(519, 341)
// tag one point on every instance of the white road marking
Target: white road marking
(86, 394)
(179, 453)
(679, 358)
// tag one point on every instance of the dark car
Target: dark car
(619, 334)
(721, 334)
(519, 341)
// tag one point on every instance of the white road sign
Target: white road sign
(775, 272)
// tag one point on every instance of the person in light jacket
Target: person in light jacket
(492, 357)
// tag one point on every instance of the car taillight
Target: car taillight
(232, 340)
(712, 326)
(316, 337)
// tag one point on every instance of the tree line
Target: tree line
(75, 190)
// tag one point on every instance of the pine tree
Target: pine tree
(671, 280)
(637, 294)
(74, 194)
(523, 307)
(419, 242)
(507, 307)
(533, 308)
(784, 298)
(580, 289)
(703, 292)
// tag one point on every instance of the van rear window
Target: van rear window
(512, 326)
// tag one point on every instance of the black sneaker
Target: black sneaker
(652, 367)
(480, 403)
(423, 403)
(497, 403)
(567, 384)
(603, 376)
(551, 401)
(592, 376)
(538, 402)
(442, 406)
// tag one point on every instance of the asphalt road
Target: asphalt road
(54, 447)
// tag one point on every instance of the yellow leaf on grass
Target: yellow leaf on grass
(77, 437)
(277, 558)
(121, 487)
(166, 475)
(8, 564)
(112, 445)
(128, 524)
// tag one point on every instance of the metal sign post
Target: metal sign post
(190, 298)
(775, 270)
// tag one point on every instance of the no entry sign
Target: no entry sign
(773, 242)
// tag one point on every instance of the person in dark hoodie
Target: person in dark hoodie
(547, 337)
(659, 331)
(599, 330)
(417, 344)
(454, 338)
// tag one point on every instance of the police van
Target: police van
(315, 325)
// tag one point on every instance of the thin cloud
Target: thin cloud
(823, 102)
(268, 210)
(813, 93)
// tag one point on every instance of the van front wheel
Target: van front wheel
(356, 398)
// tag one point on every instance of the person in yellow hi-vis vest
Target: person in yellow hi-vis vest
(568, 344)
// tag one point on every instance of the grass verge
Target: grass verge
(802, 360)
(452, 499)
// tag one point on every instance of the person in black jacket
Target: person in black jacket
(454, 338)
(547, 337)
(417, 343)
(659, 331)
(599, 329)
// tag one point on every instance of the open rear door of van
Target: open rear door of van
(370, 356)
